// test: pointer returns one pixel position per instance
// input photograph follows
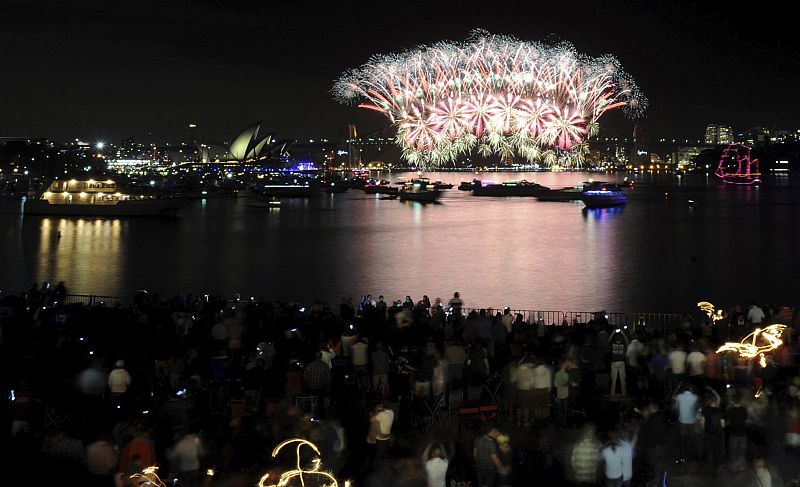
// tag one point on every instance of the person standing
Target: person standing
(380, 370)
(436, 464)
(585, 458)
(542, 384)
(755, 315)
(618, 343)
(101, 459)
(562, 384)
(487, 459)
(612, 455)
(687, 404)
(653, 434)
(317, 378)
(696, 365)
(456, 358)
(379, 434)
(185, 456)
(523, 381)
(714, 429)
(677, 365)
(358, 355)
(736, 419)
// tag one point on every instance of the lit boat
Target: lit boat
(419, 191)
(599, 194)
(508, 188)
(97, 198)
(380, 187)
(744, 174)
(286, 190)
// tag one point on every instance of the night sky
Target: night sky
(104, 70)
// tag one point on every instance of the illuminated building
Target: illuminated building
(718, 135)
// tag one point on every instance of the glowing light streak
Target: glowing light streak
(708, 309)
(148, 476)
(299, 472)
(756, 344)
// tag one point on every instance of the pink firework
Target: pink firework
(449, 118)
(567, 128)
(504, 112)
(491, 91)
(479, 113)
(532, 116)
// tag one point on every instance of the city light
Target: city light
(494, 94)
(100, 145)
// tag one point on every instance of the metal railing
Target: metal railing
(92, 300)
(659, 321)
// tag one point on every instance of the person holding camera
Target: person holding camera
(618, 343)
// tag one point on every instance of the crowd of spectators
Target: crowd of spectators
(393, 393)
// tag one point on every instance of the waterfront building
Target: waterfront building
(718, 134)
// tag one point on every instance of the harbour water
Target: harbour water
(657, 254)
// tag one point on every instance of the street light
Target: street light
(100, 145)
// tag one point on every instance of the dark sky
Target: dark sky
(110, 69)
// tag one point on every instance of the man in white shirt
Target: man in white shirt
(677, 364)
(696, 363)
(119, 379)
(385, 417)
(523, 380)
(436, 464)
(755, 314)
(612, 456)
(185, 456)
(327, 356)
(687, 404)
(359, 355)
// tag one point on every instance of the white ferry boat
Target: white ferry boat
(97, 198)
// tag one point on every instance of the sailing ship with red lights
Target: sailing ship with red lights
(736, 166)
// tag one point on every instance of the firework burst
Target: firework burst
(493, 93)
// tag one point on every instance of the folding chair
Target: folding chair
(435, 411)
(492, 389)
(455, 401)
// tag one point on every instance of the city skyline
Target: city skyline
(106, 72)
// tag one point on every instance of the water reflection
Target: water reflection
(656, 253)
(87, 254)
(600, 214)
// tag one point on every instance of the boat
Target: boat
(374, 186)
(97, 198)
(419, 191)
(465, 186)
(263, 204)
(286, 190)
(570, 193)
(441, 185)
(508, 188)
(334, 189)
(600, 194)
(746, 172)
(380, 187)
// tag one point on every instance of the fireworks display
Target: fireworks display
(494, 94)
